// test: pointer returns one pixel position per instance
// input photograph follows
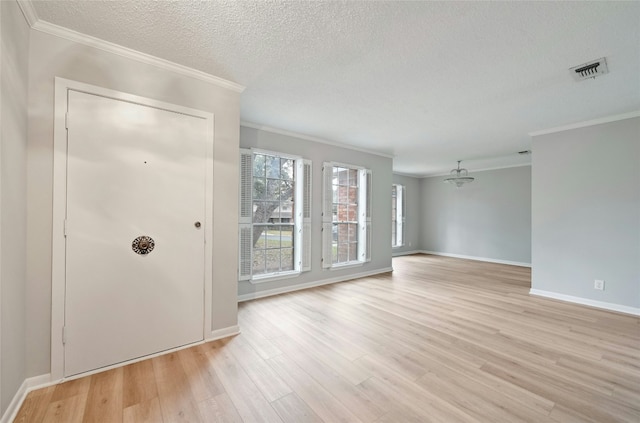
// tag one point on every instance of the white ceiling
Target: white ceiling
(428, 82)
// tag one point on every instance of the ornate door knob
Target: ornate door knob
(143, 245)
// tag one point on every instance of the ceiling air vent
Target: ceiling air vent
(590, 69)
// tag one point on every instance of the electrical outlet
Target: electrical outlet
(598, 284)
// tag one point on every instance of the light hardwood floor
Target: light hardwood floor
(438, 340)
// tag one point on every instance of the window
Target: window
(275, 215)
(397, 215)
(346, 215)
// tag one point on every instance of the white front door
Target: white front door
(132, 171)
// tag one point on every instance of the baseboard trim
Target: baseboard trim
(298, 287)
(405, 253)
(223, 333)
(486, 259)
(29, 384)
(585, 301)
(43, 381)
(15, 404)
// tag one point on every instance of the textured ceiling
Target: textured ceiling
(429, 82)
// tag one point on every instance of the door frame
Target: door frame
(58, 247)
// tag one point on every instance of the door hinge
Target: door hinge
(64, 230)
(64, 335)
(66, 120)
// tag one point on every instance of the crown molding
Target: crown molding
(407, 175)
(78, 37)
(586, 123)
(435, 175)
(28, 11)
(311, 138)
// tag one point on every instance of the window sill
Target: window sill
(395, 247)
(347, 265)
(274, 277)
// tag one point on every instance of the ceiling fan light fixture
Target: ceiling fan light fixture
(459, 176)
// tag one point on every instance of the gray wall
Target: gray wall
(489, 218)
(50, 56)
(13, 162)
(586, 212)
(319, 153)
(413, 218)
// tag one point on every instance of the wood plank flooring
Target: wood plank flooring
(437, 340)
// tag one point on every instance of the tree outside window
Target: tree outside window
(275, 215)
(273, 219)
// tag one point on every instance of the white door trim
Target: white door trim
(1, 281)
(58, 270)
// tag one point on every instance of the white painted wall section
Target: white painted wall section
(13, 200)
(489, 218)
(586, 213)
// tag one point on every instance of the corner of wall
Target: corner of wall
(30, 384)
(15, 35)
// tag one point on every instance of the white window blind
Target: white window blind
(306, 184)
(367, 219)
(246, 215)
(403, 216)
(327, 215)
(399, 215)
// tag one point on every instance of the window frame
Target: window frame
(363, 222)
(300, 219)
